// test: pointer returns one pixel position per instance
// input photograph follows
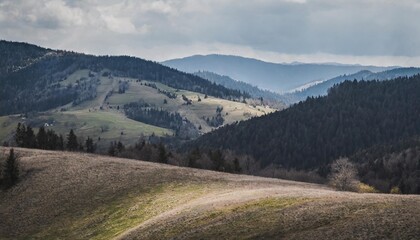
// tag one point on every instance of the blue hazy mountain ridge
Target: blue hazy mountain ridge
(321, 89)
(228, 82)
(278, 77)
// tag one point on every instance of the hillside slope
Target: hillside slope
(37, 86)
(272, 76)
(312, 134)
(96, 95)
(79, 196)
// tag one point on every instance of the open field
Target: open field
(206, 108)
(81, 196)
(106, 125)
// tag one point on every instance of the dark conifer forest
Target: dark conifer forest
(311, 134)
(146, 113)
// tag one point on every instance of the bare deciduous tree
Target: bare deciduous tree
(343, 175)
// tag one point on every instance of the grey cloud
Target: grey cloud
(336, 27)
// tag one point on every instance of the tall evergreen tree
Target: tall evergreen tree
(163, 156)
(90, 147)
(29, 138)
(11, 171)
(42, 139)
(60, 145)
(72, 144)
(20, 135)
(120, 147)
(111, 149)
(52, 140)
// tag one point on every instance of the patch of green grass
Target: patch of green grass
(206, 108)
(77, 75)
(125, 212)
(240, 221)
(7, 126)
(108, 125)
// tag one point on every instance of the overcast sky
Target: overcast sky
(377, 32)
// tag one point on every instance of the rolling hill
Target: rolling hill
(321, 89)
(95, 94)
(80, 196)
(275, 77)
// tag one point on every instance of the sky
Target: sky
(368, 32)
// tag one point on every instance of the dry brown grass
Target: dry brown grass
(82, 196)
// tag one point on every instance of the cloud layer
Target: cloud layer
(381, 32)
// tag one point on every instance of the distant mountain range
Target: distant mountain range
(252, 90)
(321, 89)
(270, 76)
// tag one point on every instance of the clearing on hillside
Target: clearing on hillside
(81, 196)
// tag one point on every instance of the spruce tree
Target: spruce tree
(90, 147)
(20, 135)
(120, 147)
(111, 149)
(42, 138)
(236, 166)
(60, 144)
(163, 157)
(72, 144)
(29, 138)
(11, 171)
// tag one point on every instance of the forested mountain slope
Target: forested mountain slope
(311, 134)
(31, 77)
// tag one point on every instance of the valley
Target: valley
(158, 120)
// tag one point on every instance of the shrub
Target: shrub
(343, 175)
(395, 190)
(364, 188)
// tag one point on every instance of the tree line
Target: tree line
(146, 113)
(49, 140)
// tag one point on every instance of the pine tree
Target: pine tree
(52, 140)
(29, 138)
(120, 147)
(111, 149)
(163, 157)
(193, 157)
(42, 138)
(60, 144)
(218, 160)
(236, 166)
(11, 170)
(72, 144)
(20, 135)
(90, 147)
